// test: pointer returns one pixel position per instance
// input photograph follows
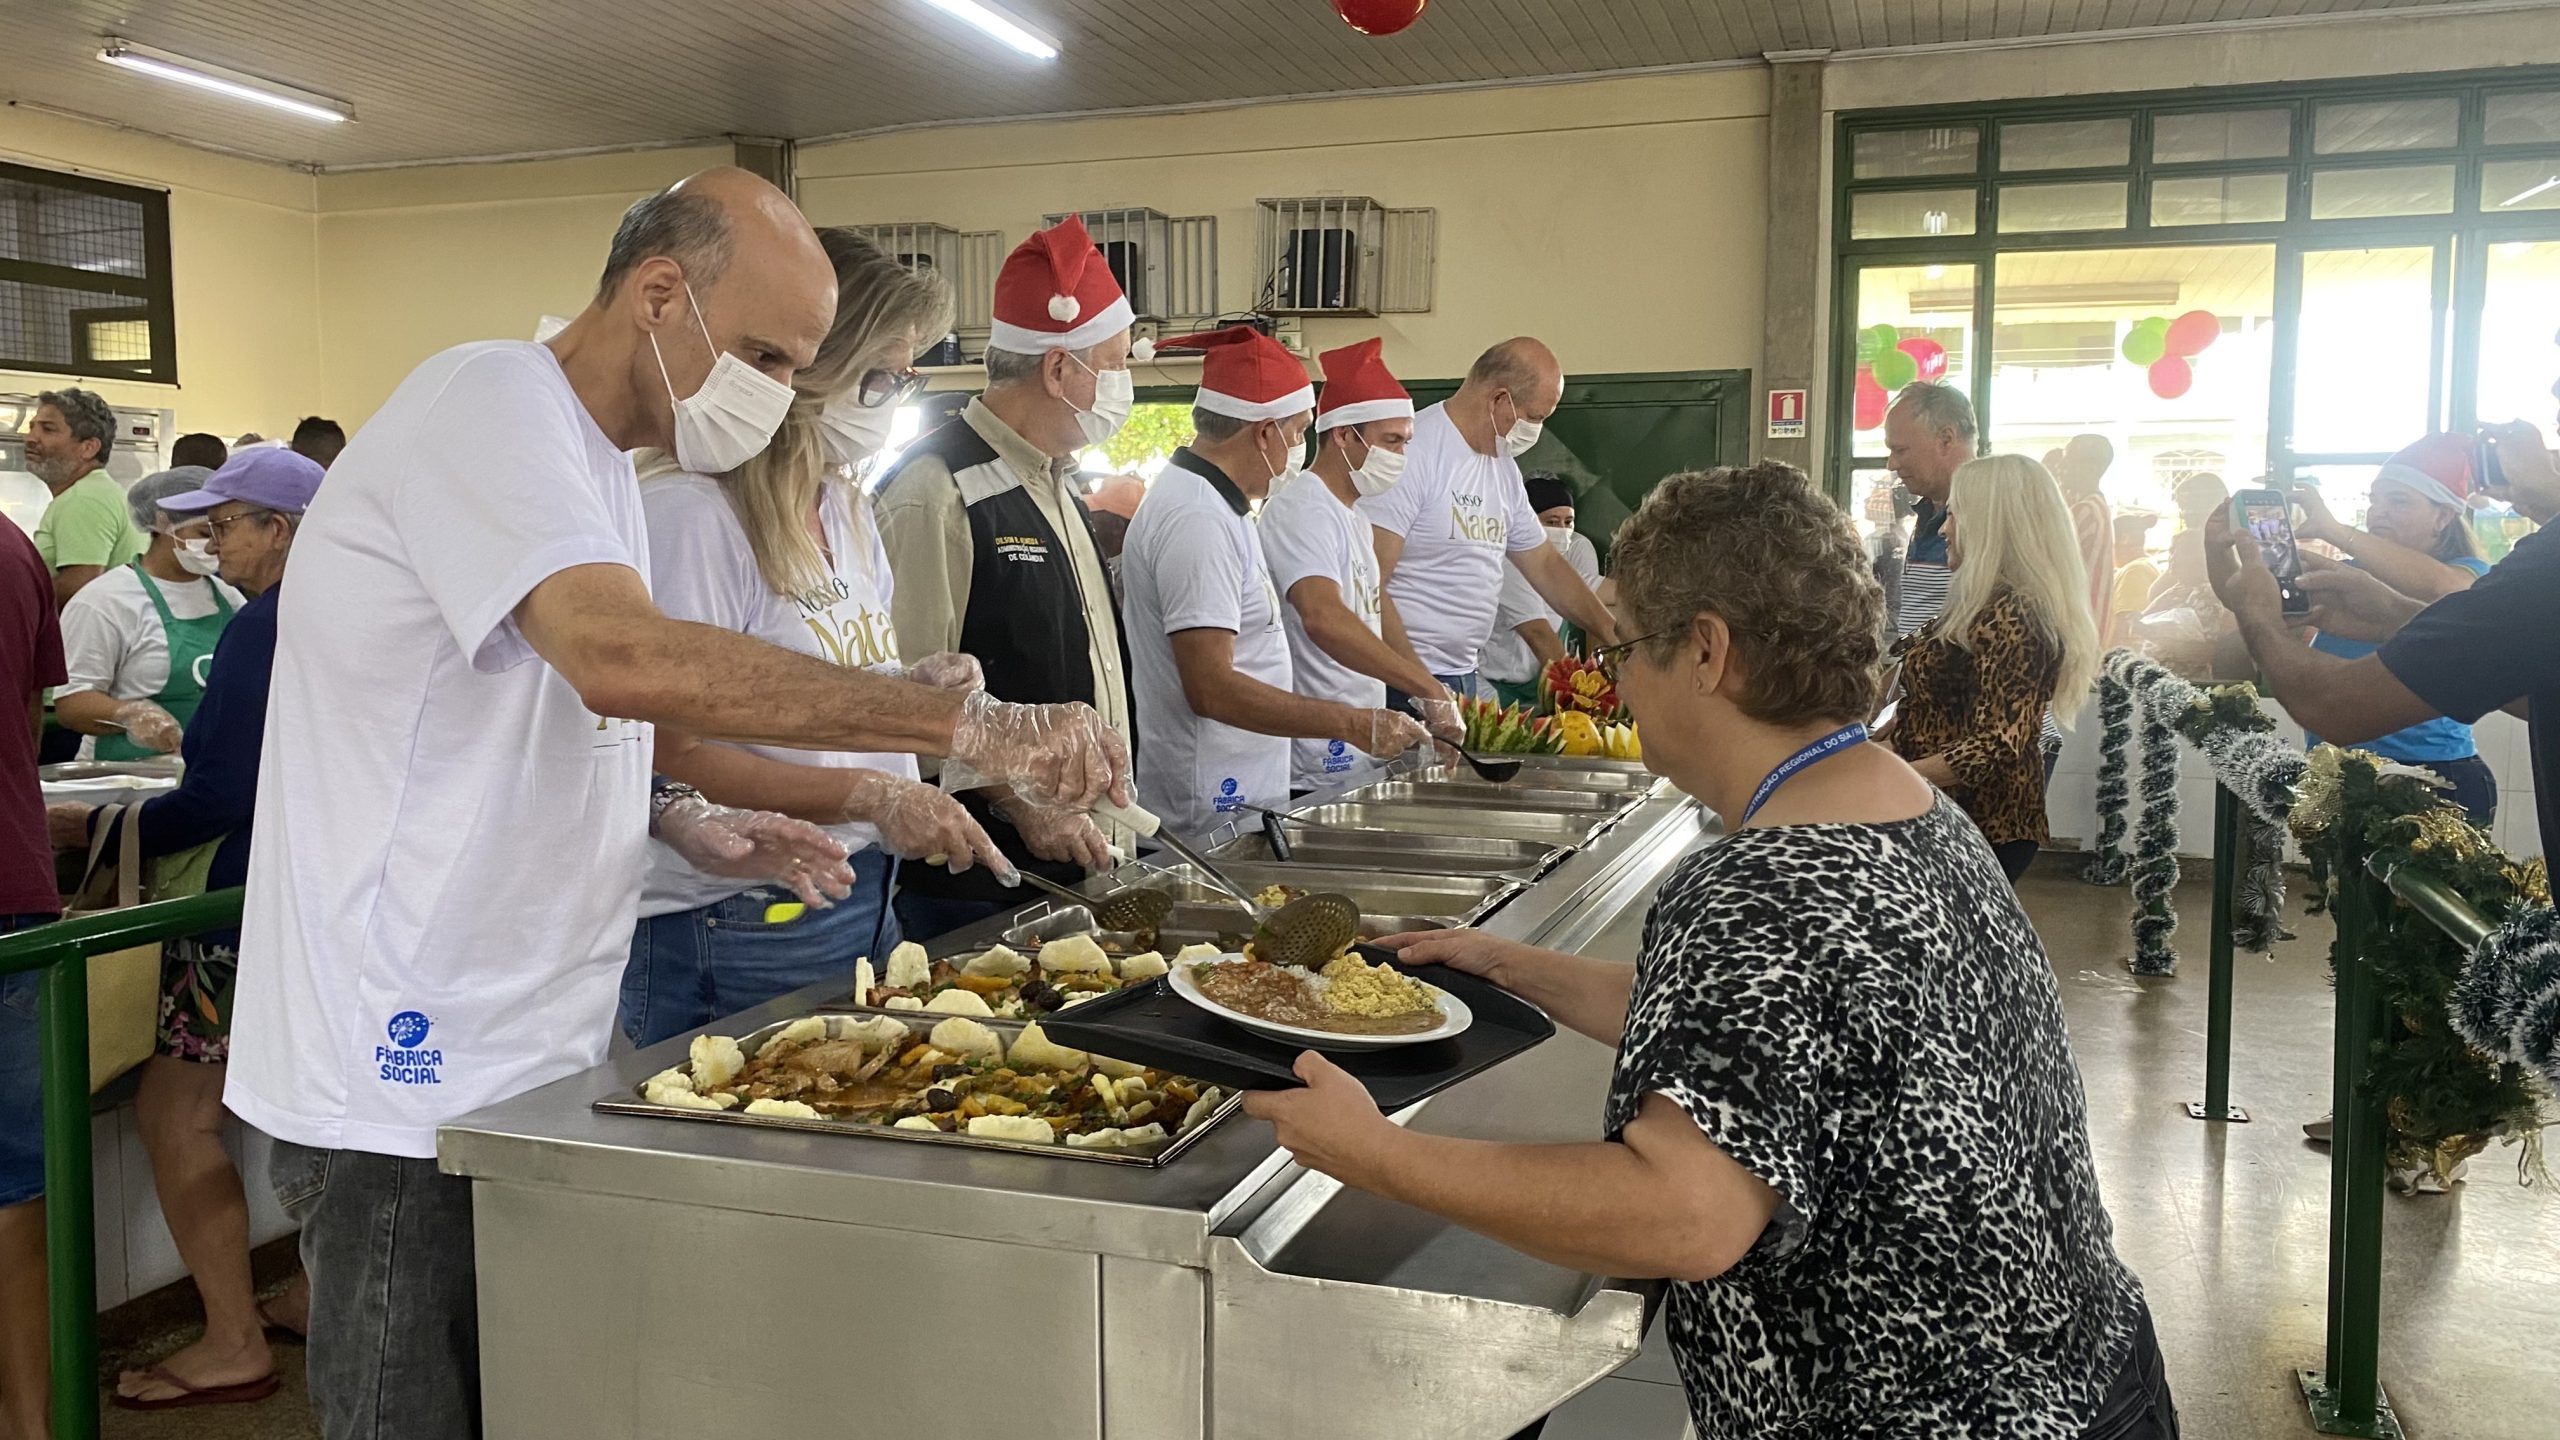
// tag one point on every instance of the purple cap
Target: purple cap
(275, 479)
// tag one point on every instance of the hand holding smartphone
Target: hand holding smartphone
(2266, 519)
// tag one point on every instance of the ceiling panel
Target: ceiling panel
(441, 79)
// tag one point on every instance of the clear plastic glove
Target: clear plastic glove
(944, 670)
(1387, 733)
(757, 845)
(1066, 836)
(1061, 755)
(921, 823)
(149, 726)
(1440, 717)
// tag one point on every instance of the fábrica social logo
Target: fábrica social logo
(1228, 799)
(406, 1061)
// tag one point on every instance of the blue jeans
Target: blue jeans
(2474, 787)
(926, 918)
(1459, 686)
(395, 1304)
(692, 967)
(21, 1078)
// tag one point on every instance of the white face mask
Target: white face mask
(1522, 435)
(853, 432)
(196, 557)
(1115, 394)
(1295, 462)
(1379, 472)
(733, 416)
(1560, 536)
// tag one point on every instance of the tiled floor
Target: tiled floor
(2226, 1225)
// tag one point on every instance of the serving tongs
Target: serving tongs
(1146, 823)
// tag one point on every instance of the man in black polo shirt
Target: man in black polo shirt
(2493, 646)
(994, 553)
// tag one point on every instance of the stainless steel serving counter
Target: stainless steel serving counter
(640, 1278)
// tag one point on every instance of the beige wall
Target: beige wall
(1620, 220)
(242, 250)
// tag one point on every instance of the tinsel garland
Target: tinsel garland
(2507, 1002)
(2155, 846)
(2258, 909)
(2115, 743)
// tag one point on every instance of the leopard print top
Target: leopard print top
(1982, 706)
(1862, 1016)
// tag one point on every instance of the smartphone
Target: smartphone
(2265, 517)
(2487, 475)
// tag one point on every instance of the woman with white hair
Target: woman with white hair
(138, 639)
(2016, 639)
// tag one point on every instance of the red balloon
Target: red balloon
(1926, 353)
(1871, 401)
(1379, 17)
(2170, 377)
(2190, 333)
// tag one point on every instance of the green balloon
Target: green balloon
(2156, 324)
(1874, 343)
(1894, 369)
(2142, 346)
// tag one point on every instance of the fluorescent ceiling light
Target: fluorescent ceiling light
(2523, 195)
(161, 63)
(1002, 26)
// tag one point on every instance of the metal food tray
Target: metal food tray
(1483, 795)
(1569, 829)
(1451, 900)
(918, 1026)
(1550, 772)
(164, 767)
(1323, 847)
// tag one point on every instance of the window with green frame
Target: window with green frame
(2357, 262)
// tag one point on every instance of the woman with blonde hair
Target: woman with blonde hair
(784, 548)
(2016, 639)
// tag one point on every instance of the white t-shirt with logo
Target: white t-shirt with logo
(450, 843)
(701, 569)
(113, 641)
(1507, 657)
(1460, 513)
(1308, 532)
(1192, 563)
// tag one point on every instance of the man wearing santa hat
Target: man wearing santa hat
(1209, 654)
(1443, 532)
(1346, 642)
(996, 555)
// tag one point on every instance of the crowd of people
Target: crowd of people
(604, 701)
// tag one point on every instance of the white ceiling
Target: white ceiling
(441, 79)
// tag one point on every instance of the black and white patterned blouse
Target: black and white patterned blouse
(1862, 1016)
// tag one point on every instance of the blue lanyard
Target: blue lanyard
(1838, 740)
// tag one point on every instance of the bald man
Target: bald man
(1446, 529)
(457, 798)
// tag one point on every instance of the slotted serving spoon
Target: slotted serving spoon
(1132, 908)
(1308, 931)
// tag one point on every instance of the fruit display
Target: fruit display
(1569, 686)
(1508, 730)
(1586, 736)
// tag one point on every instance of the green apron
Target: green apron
(190, 655)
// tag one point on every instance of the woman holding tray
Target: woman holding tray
(1845, 1122)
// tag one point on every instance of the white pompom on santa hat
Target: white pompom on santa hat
(1245, 375)
(1358, 387)
(1056, 292)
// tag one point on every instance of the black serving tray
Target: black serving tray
(1150, 1025)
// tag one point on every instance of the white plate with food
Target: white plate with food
(1349, 1005)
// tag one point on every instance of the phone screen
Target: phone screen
(2267, 517)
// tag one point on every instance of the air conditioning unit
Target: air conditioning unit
(1168, 264)
(968, 258)
(1345, 255)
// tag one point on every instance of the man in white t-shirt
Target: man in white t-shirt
(1444, 531)
(449, 857)
(1209, 658)
(1346, 642)
(1528, 634)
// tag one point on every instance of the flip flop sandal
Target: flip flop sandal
(248, 1392)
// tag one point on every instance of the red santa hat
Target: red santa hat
(2436, 468)
(1358, 387)
(1245, 375)
(1056, 292)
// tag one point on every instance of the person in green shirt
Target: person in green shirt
(87, 530)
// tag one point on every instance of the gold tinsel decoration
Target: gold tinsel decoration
(2447, 832)
(2532, 879)
(2319, 799)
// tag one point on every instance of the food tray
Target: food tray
(919, 1027)
(1150, 1025)
(1568, 830)
(1548, 772)
(1325, 848)
(1483, 795)
(1449, 901)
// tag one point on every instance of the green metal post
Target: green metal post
(2346, 1397)
(71, 1242)
(2230, 863)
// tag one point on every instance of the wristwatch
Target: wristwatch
(665, 793)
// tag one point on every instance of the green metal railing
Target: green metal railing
(2231, 859)
(61, 953)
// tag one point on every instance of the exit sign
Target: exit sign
(1786, 414)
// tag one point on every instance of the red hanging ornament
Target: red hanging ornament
(1871, 401)
(1379, 17)
(1927, 355)
(2189, 334)
(2170, 377)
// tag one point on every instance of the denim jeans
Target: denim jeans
(692, 967)
(1463, 687)
(21, 1080)
(395, 1311)
(926, 918)
(2471, 785)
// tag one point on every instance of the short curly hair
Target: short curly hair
(1759, 546)
(88, 415)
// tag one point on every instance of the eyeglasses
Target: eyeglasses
(889, 387)
(218, 524)
(198, 528)
(1608, 657)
